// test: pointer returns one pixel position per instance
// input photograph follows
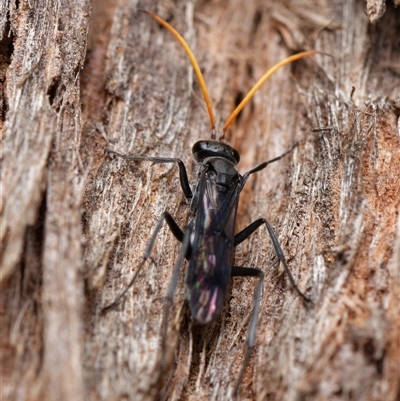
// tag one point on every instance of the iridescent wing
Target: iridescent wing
(212, 247)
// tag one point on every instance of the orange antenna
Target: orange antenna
(258, 85)
(194, 64)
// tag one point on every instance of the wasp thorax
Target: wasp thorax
(204, 149)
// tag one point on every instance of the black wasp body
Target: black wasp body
(209, 240)
(211, 251)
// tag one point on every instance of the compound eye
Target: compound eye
(235, 155)
(199, 146)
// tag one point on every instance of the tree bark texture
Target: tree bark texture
(76, 78)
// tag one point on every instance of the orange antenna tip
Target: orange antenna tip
(262, 80)
(193, 61)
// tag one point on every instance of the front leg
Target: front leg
(183, 177)
(265, 164)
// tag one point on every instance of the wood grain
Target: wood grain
(76, 221)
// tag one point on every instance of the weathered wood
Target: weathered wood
(42, 188)
(73, 216)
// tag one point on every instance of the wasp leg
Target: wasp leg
(245, 233)
(178, 234)
(252, 272)
(183, 177)
(265, 164)
(165, 355)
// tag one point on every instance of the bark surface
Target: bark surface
(76, 78)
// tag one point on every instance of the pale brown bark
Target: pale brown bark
(75, 221)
